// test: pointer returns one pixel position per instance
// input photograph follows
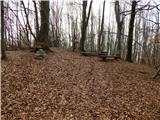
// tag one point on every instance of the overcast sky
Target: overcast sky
(109, 6)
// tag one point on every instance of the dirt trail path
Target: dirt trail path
(67, 86)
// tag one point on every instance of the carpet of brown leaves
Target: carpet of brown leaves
(68, 86)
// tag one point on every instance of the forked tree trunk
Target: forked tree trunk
(84, 24)
(27, 19)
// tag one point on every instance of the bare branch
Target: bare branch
(28, 20)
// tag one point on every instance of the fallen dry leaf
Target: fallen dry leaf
(68, 86)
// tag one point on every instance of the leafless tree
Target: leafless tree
(101, 31)
(84, 23)
(119, 20)
(130, 33)
(3, 55)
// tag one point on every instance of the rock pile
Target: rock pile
(40, 54)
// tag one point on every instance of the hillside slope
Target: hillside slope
(68, 86)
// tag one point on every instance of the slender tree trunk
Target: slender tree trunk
(84, 24)
(108, 41)
(101, 32)
(130, 34)
(17, 25)
(145, 57)
(137, 30)
(3, 54)
(92, 33)
(27, 19)
(99, 29)
(36, 17)
(155, 44)
(119, 21)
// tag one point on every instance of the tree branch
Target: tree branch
(28, 20)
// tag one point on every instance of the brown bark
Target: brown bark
(36, 17)
(3, 54)
(83, 32)
(30, 29)
(101, 31)
(84, 24)
(119, 21)
(130, 33)
(44, 28)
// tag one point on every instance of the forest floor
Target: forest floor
(68, 86)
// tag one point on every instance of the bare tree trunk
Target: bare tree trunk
(119, 21)
(27, 36)
(36, 17)
(155, 44)
(3, 54)
(74, 35)
(92, 33)
(109, 45)
(99, 29)
(130, 33)
(145, 58)
(69, 33)
(137, 36)
(28, 20)
(17, 25)
(101, 32)
(84, 24)
(44, 29)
